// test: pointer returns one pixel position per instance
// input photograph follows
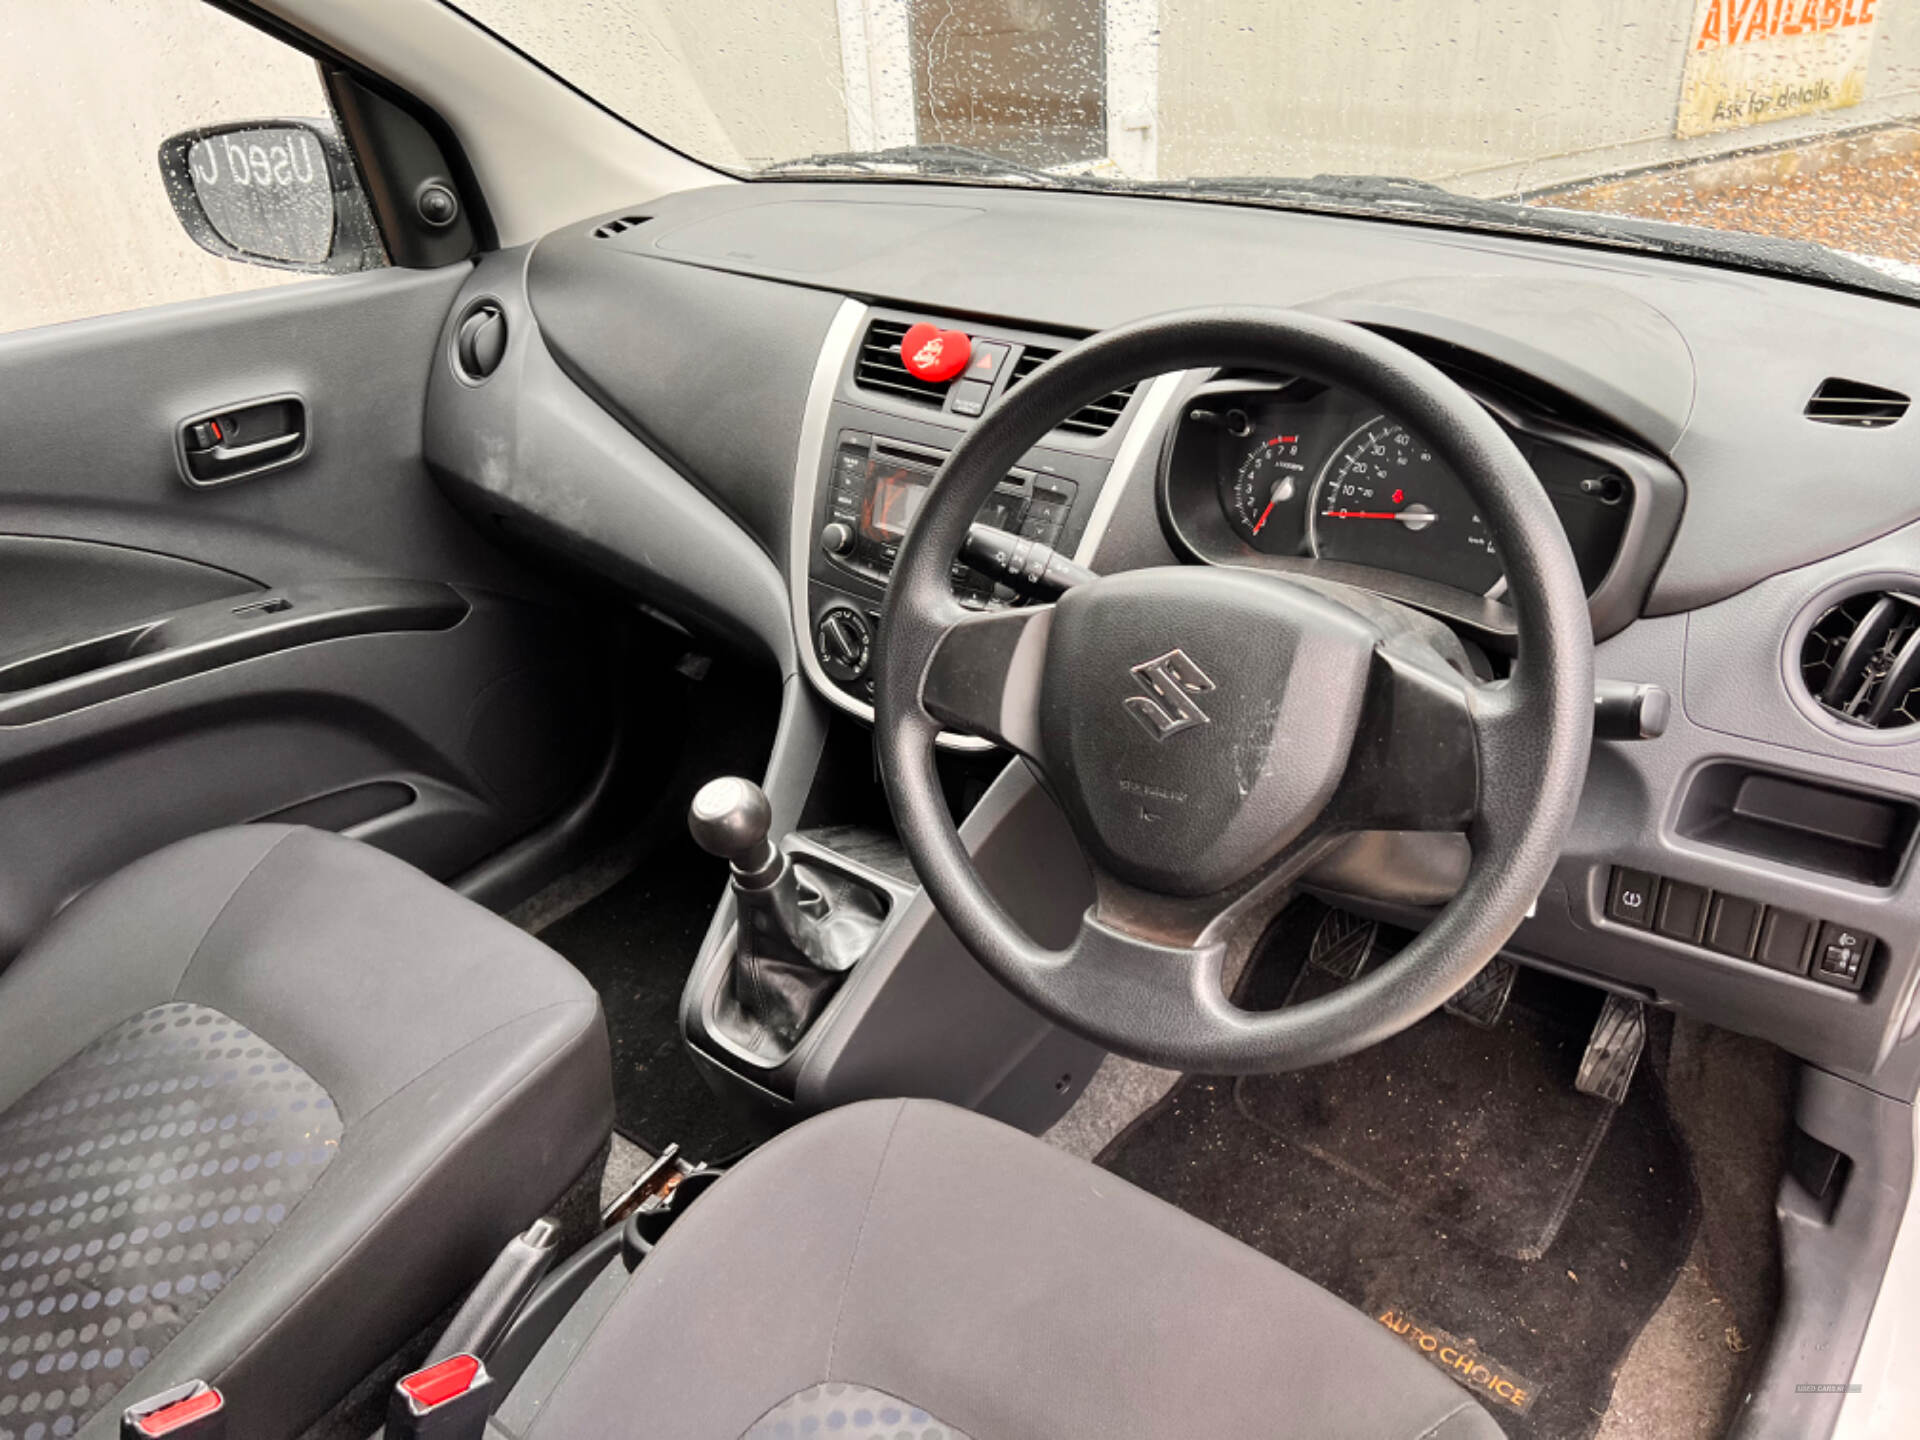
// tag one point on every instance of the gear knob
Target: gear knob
(730, 817)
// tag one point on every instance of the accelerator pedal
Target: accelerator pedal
(1613, 1050)
(1483, 999)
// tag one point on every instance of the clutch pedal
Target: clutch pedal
(1613, 1050)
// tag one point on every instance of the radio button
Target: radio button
(836, 539)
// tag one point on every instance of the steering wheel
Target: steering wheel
(1210, 733)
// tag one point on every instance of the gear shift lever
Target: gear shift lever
(802, 925)
(730, 817)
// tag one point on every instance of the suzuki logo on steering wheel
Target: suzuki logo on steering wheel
(1174, 679)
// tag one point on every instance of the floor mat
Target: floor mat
(636, 940)
(636, 944)
(1478, 1130)
(1416, 1178)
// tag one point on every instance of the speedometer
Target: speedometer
(1386, 500)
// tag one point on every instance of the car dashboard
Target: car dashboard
(694, 401)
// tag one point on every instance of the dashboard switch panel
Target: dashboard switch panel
(1786, 940)
(1683, 911)
(1630, 901)
(1840, 956)
(1822, 950)
(1733, 925)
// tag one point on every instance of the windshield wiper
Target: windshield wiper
(937, 161)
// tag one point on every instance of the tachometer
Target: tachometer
(1386, 500)
(1266, 499)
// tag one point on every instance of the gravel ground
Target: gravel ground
(1840, 194)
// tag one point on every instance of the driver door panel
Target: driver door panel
(330, 643)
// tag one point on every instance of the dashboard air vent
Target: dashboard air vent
(1861, 660)
(619, 227)
(880, 367)
(1852, 402)
(1097, 418)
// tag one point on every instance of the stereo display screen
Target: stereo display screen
(895, 493)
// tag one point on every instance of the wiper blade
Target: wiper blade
(939, 160)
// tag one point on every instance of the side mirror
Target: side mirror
(272, 192)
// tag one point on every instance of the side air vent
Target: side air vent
(880, 367)
(1851, 402)
(1861, 660)
(619, 227)
(1096, 419)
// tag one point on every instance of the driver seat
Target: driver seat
(904, 1267)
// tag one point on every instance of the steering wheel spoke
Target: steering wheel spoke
(984, 677)
(1416, 757)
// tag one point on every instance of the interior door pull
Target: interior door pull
(237, 442)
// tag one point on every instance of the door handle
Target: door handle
(237, 442)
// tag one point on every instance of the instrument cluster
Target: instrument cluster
(1292, 474)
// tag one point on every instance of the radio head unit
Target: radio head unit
(877, 486)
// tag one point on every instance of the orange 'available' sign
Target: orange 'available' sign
(1741, 22)
(1752, 61)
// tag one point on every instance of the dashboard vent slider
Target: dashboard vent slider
(1855, 403)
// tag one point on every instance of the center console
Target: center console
(884, 440)
(827, 974)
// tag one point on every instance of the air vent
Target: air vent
(881, 368)
(1850, 402)
(1861, 660)
(619, 227)
(1096, 419)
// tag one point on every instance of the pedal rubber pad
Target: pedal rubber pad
(1613, 1050)
(1343, 944)
(1483, 999)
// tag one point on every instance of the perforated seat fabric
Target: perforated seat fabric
(269, 1099)
(911, 1268)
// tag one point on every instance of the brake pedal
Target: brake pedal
(1343, 944)
(1483, 999)
(1613, 1050)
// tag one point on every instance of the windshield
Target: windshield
(1777, 133)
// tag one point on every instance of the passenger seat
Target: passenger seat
(269, 1100)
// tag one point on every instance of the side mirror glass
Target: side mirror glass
(271, 192)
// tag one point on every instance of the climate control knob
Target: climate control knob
(836, 539)
(843, 640)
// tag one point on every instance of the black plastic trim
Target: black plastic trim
(208, 637)
(466, 182)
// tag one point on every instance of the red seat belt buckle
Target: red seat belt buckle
(449, 1400)
(193, 1411)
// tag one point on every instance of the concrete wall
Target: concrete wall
(740, 83)
(1492, 97)
(88, 90)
